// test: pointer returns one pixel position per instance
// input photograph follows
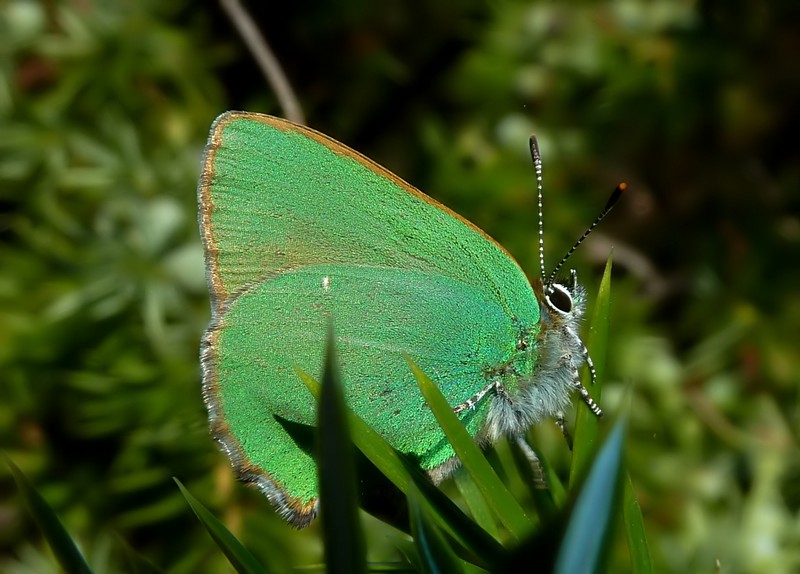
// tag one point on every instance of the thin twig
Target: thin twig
(265, 59)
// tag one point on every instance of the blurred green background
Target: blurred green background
(104, 111)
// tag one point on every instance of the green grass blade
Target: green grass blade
(591, 524)
(477, 546)
(404, 474)
(239, 556)
(480, 511)
(555, 487)
(377, 450)
(506, 507)
(435, 555)
(345, 550)
(64, 548)
(641, 562)
(543, 498)
(586, 423)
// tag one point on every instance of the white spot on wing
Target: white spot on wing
(326, 283)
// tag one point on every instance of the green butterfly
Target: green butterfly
(299, 229)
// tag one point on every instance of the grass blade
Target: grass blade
(404, 474)
(477, 504)
(64, 548)
(497, 495)
(345, 550)
(377, 450)
(543, 498)
(239, 556)
(590, 527)
(435, 555)
(641, 563)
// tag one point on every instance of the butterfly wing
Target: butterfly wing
(297, 227)
(275, 196)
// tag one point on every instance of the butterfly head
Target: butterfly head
(562, 301)
(564, 298)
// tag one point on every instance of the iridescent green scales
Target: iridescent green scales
(299, 228)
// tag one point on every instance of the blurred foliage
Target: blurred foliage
(104, 109)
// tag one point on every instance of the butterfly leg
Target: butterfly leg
(576, 378)
(584, 354)
(589, 363)
(473, 400)
(562, 424)
(576, 382)
(536, 465)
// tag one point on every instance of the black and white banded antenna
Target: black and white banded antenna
(612, 201)
(537, 166)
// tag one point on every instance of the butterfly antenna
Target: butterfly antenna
(537, 165)
(615, 195)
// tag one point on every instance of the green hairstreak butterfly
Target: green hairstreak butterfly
(299, 229)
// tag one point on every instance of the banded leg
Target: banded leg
(589, 363)
(584, 355)
(539, 480)
(576, 382)
(562, 424)
(473, 400)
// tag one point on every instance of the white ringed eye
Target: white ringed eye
(559, 299)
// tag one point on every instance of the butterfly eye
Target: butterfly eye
(559, 298)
